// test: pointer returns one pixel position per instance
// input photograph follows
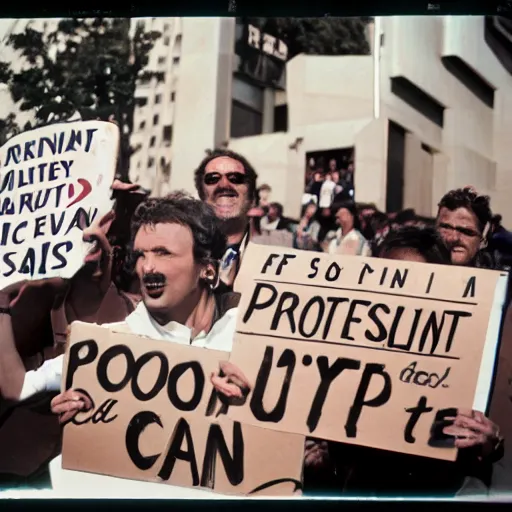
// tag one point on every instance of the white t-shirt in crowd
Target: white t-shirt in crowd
(78, 484)
(326, 194)
(266, 225)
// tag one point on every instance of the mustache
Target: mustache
(225, 190)
(454, 245)
(154, 278)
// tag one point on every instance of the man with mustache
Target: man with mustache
(227, 182)
(464, 221)
(177, 243)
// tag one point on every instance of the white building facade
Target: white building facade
(435, 128)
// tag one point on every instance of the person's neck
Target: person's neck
(196, 312)
(235, 229)
(347, 228)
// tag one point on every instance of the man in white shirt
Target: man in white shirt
(178, 243)
(327, 192)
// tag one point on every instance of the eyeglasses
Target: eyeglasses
(463, 231)
(236, 178)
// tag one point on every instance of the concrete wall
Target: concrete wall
(204, 92)
(330, 103)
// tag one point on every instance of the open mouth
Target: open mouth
(154, 285)
(154, 290)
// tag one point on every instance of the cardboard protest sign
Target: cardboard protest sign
(366, 351)
(52, 179)
(280, 238)
(155, 418)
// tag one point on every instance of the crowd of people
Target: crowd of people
(165, 268)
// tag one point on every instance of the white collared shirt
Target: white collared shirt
(77, 484)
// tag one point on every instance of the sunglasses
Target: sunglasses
(235, 178)
(463, 231)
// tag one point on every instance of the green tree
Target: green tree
(318, 36)
(85, 66)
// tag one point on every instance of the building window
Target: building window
(173, 97)
(151, 162)
(161, 60)
(176, 61)
(141, 102)
(281, 118)
(155, 119)
(247, 109)
(418, 99)
(142, 125)
(158, 99)
(167, 40)
(245, 121)
(152, 142)
(167, 133)
(178, 39)
(166, 27)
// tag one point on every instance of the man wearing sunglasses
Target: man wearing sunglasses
(463, 221)
(227, 182)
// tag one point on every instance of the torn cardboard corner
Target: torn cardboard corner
(156, 419)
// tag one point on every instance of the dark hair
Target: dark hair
(278, 207)
(217, 153)
(180, 208)
(349, 205)
(374, 222)
(424, 240)
(469, 199)
(404, 216)
(306, 206)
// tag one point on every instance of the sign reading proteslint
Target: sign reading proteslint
(365, 351)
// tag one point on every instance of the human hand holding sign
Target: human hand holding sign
(68, 404)
(231, 383)
(472, 429)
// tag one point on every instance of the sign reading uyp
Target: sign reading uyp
(54, 181)
(156, 418)
(365, 351)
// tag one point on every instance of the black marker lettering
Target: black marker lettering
(75, 361)
(254, 305)
(172, 385)
(287, 360)
(351, 319)
(415, 413)
(233, 463)
(360, 399)
(327, 376)
(135, 428)
(103, 363)
(288, 311)
(160, 380)
(314, 268)
(181, 432)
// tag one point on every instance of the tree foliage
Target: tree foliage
(89, 66)
(318, 36)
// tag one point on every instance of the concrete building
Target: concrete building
(429, 111)
(154, 115)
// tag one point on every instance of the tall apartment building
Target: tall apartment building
(150, 165)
